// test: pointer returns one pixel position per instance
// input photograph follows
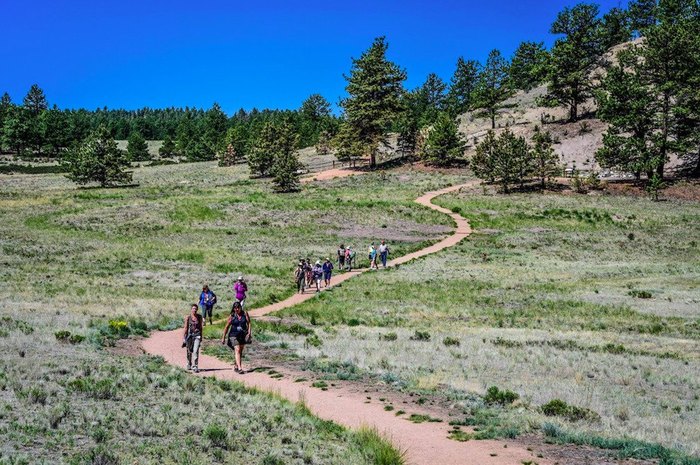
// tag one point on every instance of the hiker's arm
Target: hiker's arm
(184, 333)
(247, 317)
(223, 336)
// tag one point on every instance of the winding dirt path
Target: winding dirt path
(424, 443)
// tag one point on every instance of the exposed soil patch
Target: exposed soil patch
(131, 346)
(680, 190)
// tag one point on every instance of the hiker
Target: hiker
(372, 255)
(241, 288)
(328, 270)
(237, 331)
(317, 274)
(192, 338)
(341, 257)
(349, 257)
(309, 273)
(383, 253)
(207, 300)
(300, 276)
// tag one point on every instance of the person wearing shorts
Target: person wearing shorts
(237, 333)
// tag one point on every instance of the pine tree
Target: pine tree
(409, 131)
(642, 14)
(228, 157)
(348, 143)
(168, 148)
(55, 128)
(98, 159)
(650, 99)
(137, 148)
(374, 88)
(444, 145)
(5, 108)
(262, 153)
(545, 161)
(504, 159)
(323, 146)
(462, 86)
(528, 68)
(430, 99)
(215, 124)
(493, 87)
(286, 165)
(615, 28)
(315, 108)
(35, 100)
(16, 130)
(575, 55)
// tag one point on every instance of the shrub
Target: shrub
(217, 435)
(496, 396)
(389, 336)
(420, 336)
(559, 408)
(62, 335)
(450, 341)
(313, 341)
(640, 294)
(378, 450)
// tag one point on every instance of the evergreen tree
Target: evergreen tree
(137, 148)
(315, 108)
(237, 136)
(286, 165)
(16, 130)
(54, 125)
(98, 159)
(444, 145)
(214, 132)
(228, 157)
(650, 97)
(642, 14)
(462, 86)
(575, 55)
(615, 28)
(545, 161)
(323, 146)
(504, 159)
(168, 148)
(409, 131)
(374, 88)
(5, 108)
(35, 100)
(348, 143)
(493, 87)
(430, 99)
(262, 153)
(528, 68)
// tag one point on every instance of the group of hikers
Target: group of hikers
(237, 331)
(308, 276)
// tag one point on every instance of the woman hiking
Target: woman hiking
(192, 338)
(237, 331)
(327, 272)
(207, 300)
(372, 255)
(317, 271)
(241, 290)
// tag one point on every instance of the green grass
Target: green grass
(105, 264)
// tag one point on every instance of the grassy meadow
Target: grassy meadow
(84, 267)
(591, 300)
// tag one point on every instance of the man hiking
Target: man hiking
(300, 276)
(328, 271)
(317, 271)
(207, 300)
(192, 338)
(349, 257)
(341, 257)
(383, 253)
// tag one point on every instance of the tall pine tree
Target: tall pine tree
(493, 86)
(375, 85)
(444, 145)
(528, 68)
(462, 86)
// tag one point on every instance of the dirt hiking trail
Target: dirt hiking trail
(423, 443)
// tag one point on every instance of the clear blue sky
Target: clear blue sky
(265, 54)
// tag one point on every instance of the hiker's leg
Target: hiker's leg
(195, 351)
(238, 355)
(189, 355)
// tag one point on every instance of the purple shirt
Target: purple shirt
(240, 288)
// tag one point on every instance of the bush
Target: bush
(451, 341)
(388, 336)
(313, 341)
(640, 294)
(62, 335)
(420, 336)
(378, 450)
(217, 435)
(559, 408)
(496, 396)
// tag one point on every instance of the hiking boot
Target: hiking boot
(189, 367)
(195, 369)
